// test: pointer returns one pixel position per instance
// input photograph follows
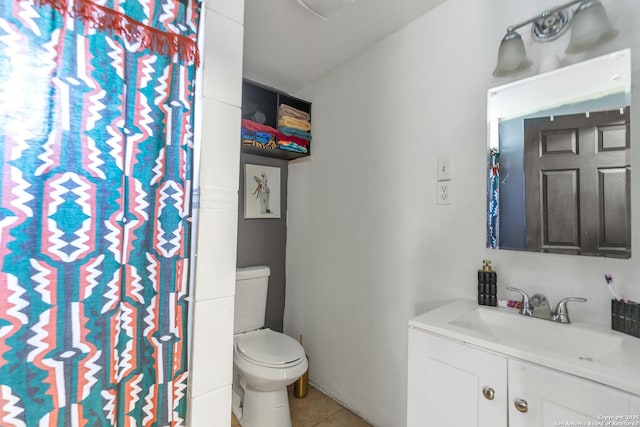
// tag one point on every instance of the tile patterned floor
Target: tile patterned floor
(318, 410)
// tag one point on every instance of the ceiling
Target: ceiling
(287, 47)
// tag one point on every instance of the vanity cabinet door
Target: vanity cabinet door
(544, 397)
(451, 384)
(524, 395)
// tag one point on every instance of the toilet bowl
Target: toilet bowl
(265, 362)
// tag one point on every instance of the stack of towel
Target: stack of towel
(294, 128)
(258, 135)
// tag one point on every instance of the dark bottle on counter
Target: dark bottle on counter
(487, 285)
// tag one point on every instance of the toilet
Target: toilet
(265, 362)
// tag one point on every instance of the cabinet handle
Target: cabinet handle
(488, 393)
(521, 405)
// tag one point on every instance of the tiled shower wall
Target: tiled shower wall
(218, 109)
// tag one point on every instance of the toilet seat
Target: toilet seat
(269, 348)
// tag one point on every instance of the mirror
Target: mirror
(559, 160)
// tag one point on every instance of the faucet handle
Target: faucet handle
(561, 312)
(525, 296)
(526, 305)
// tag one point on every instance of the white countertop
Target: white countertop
(617, 367)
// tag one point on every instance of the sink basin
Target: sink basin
(586, 350)
(511, 328)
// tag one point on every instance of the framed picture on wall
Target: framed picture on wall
(261, 191)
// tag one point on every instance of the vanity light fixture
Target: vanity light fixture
(324, 9)
(589, 26)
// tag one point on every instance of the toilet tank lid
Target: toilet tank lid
(246, 273)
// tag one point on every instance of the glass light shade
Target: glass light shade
(589, 26)
(512, 57)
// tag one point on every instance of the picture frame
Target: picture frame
(261, 191)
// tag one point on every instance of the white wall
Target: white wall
(217, 129)
(367, 246)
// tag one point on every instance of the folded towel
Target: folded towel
(247, 134)
(291, 138)
(270, 145)
(294, 123)
(295, 132)
(288, 110)
(255, 126)
(292, 147)
(263, 138)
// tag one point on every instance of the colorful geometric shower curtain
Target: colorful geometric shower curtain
(96, 104)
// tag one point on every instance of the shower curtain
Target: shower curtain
(96, 138)
(493, 202)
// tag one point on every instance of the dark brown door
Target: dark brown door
(577, 183)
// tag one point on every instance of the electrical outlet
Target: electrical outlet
(444, 169)
(443, 193)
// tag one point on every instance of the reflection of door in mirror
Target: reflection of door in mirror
(576, 199)
(577, 172)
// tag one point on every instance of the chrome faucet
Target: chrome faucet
(538, 306)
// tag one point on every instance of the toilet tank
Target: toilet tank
(251, 298)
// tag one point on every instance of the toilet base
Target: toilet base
(262, 408)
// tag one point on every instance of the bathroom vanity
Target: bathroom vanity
(471, 365)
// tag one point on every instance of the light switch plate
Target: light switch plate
(444, 169)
